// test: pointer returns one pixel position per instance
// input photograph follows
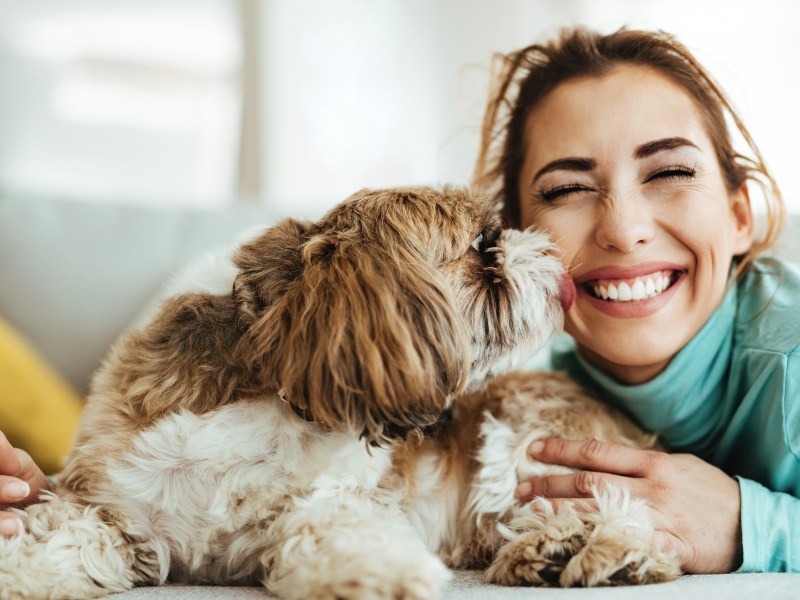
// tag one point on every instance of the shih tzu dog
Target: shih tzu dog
(329, 413)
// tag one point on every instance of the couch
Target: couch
(74, 275)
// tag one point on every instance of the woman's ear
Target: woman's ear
(741, 220)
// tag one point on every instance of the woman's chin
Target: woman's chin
(628, 363)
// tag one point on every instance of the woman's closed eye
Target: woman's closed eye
(665, 174)
(671, 173)
(549, 194)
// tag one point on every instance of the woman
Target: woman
(617, 146)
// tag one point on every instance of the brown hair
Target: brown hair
(526, 76)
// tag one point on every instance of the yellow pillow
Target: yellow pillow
(38, 411)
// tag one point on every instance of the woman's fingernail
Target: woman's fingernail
(538, 506)
(9, 527)
(523, 489)
(16, 490)
(536, 447)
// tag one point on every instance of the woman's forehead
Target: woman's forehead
(617, 111)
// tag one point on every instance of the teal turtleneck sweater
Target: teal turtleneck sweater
(732, 397)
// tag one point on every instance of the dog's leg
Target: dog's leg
(538, 547)
(66, 552)
(351, 547)
(619, 550)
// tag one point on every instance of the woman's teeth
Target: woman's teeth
(631, 290)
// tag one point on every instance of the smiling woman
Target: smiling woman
(634, 169)
(617, 146)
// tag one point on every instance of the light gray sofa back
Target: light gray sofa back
(73, 275)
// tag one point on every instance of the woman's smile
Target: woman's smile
(630, 291)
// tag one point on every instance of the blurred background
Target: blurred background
(298, 103)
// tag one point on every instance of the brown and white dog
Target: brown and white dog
(332, 424)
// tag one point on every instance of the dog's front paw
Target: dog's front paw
(65, 552)
(24, 575)
(538, 548)
(614, 557)
(620, 548)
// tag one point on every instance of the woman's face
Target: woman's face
(620, 171)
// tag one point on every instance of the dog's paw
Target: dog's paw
(538, 548)
(65, 552)
(21, 576)
(619, 550)
(612, 557)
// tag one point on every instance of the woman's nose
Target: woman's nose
(625, 223)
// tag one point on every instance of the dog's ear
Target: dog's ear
(366, 339)
(268, 265)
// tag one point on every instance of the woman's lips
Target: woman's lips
(627, 272)
(630, 291)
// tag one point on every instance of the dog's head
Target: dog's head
(374, 318)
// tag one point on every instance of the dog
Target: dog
(332, 413)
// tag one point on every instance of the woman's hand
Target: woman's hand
(694, 506)
(20, 483)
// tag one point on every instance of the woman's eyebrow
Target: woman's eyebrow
(641, 151)
(566, 164)
(650, 148)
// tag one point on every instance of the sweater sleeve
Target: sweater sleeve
(770, 530)
(771, 520)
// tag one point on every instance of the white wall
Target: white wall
(360, 93)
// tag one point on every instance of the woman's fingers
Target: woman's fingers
(548, 505)
(593, 455)
(10, 525)
(603, 464)
(9, 459)
(20, 479)
(13, 490)
(573, 485)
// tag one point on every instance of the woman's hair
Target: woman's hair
(525, 77)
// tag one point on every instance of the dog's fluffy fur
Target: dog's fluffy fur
(334, 426)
